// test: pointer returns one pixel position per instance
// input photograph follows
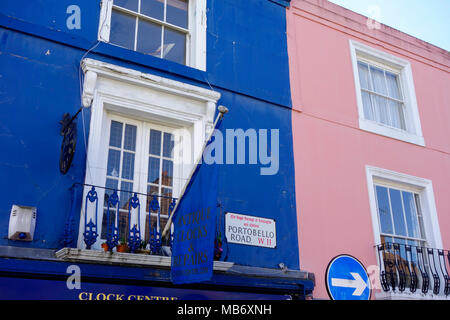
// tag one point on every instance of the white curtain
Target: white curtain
(391, 80)
(380, 108)
(364, 78)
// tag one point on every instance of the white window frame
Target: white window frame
(413, 132)
(196, 39)
(423, 187)
(109, 89)
(141, 162)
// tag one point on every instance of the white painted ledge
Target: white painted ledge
(130, 259)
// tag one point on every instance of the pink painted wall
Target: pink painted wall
(330, 150)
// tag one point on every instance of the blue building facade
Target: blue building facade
(141, 81)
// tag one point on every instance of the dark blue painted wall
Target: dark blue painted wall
(249, 49)
(38, 83)
(247, 63)
(243, 190)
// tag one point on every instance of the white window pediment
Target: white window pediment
(109, 78)
(115, 93)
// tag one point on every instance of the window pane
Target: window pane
(392, 84)
(380, 109)
(167, 192)
(396, 116)
(363, 70)
(419, 216)
(115, 137)
(166, 200)
(152, 192)
(397, 212)
(163, 222)
(367, 105)
(153, 222)
(122, 29)
(128, 166)
(110, 184)
(414, 257)
(130, 138)
(155, 142)
(379, 83)
(174, 46)
(153, 8)
(123, 225)
(402, 250)
(411, 214)
(147, 228)
(112, 219)
(124, 195)
(384, 211)
(149, 38)
(167, 173)
(168, 145)
(113, 167)
(128, 4)
(385, 239)
(177, 12)
(153, 170)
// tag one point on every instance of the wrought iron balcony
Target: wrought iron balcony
(121, 219)
(414, 269)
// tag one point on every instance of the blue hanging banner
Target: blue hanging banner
(195, 226)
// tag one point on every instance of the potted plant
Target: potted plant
(218, 248)
(122, 246)
(105, 246)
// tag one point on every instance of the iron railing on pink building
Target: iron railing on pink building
(412, 268)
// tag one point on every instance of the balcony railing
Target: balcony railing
(414, 269)
(121, 219)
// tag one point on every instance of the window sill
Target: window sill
(408, 296)
(119, 258)
(393, 133)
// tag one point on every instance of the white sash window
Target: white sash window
(385, 94)
(168, 29)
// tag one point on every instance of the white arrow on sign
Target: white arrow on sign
(358, 283)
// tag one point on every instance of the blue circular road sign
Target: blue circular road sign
(347, 279)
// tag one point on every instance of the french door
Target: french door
(140, 157)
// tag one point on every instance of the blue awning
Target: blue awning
(40, 266)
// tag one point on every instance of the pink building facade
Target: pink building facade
(371, 131)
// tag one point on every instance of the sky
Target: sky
(428, 20)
